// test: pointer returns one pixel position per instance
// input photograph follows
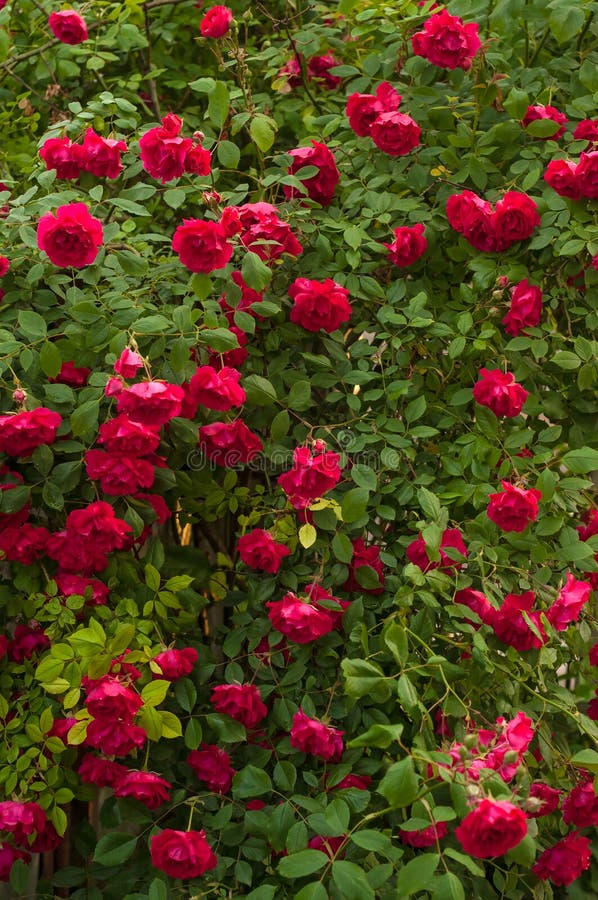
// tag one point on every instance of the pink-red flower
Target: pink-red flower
(264, 233)
(569, 603)
(321, 186)
(21, 820)
(512, 628)
(364, 556)
(202, 245)
(152, 403)
(21, 433)
(513, 508)
(241, 702)
(115, 737)
(259, 550)
(118, 475)
(408, 245)
(525, 310)
(580, 806)
(213, 389)
(216, 22)
(447, 42)
(68, 26)
(546, 799)
(101, 156)
(100, 771)
(175, 664)
(395, 133)
(561, 175)
(313, 736)
(319, 304)
(363, 109)
(417, 552)
(62, 155)
(182, 854)
(212, 765)
(546, 112)
(128, 363)
(163, 151)
(499, 392)
(564, 862)
(493, 828)
(149, 789)
(424, 837)
(311, 476)
(587, 130)
(229, 444)
(71, 237)
(300, 620)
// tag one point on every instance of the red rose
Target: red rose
(75, 376)
(477, 603)
(118, 475)
(359, 782)
(513, 508)
(472, 217)
(182, 854)
(149, 789)
(8, 857)
(593, 655)
(198, 161)
(62, 155)
(312, 736)
(259, 550)
(97, 524)
(319, 304)
(319, 187)
(511, 628)
(299, 620)
(11, 480)
(546, 112)
(363, 109)
(101, 156)
(229, 443)
(113, 387)
(586, 174)
(162, 152)
(587, 130)
(175, 664)
(515, 218)
(111, 699)
(409, 244)
(447, 42)
(216, 22)
(68, 26)
(126, 437)
(418, 554)
(212, 765)
(21, 820)
(525, 310)
(580, 806)
(545, 800)
(311, 476)
(568, 605)
(72, 237)
(565, 861)
(128, 363)
(561, 175)
(499, 392)
(424, 837)
(22, 433)
(241, 702)
(201, 246)
(264, 233)
(213, 389)
(364, 556)
(331, 846)
(153, 403)
(395, 133)
(243, 303)
(47, 839)
(493, 828)
(24, 543)
(26, 641)
(70, 585)
(318, 68)
(4, 266)
(115, 737)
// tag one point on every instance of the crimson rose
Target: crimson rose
(71, 237)
(447, 42)
(182, 854)
(494, 827)
(319, 304)
(312, 736)
(499, 392)
(216, 22)
(68, 26)
(320, 187)
(514, 508)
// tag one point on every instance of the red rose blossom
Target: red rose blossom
(499, 392)
(264, 233)
(115, 736)
(212, 765)
(8, 856)
(318, 68)
(75, 376)
(515, 218)
(22, 433)
(513, 508)
(147, 788)
(118, 475)
(478, 603)
(198, 161)
(182, 854)
(128, 363)
(69, 585)
(216, 22)
(586, 174)
(299, 620)
(546, 799)
(111, 699)
(229, 444)
(569, 603)
(409, 244)
(27, 640)
(511, 628)
(62, 155)
(564, 862)
(71, 237)
(525, 310)
(319, 304)
(446, 42)
(417, 552)
(213, 389)
(124, 436)
(312, 736)
(201, 245)
(580, 806)
(259, 550)
(21, 820)
(472, 217)
(101, 156)
(241, 702)
(363, 109)
(534, 113)
(424, 837)
(587, 130)
(162, 151)
(352, 780)
(311, 476)
(175, 664)
(153, 403)
(319, 187)
(395, 133)
(364, 556)
(68, 26)
(493, 828)
(561, 175)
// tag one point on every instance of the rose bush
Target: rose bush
(298, 519)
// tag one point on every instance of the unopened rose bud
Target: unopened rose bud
(502, 281)
(511, 756)
(113, 387)
(319, 446)
(532, 804)
(211, 198)
(470, 741)
(198, 136)
(19, 396)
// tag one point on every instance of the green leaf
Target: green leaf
(417, 874)
(157, 890)
(218, 104)
(296, 865)
(155, 692)
(129, 206)
(342, 548)
(251, 782)
(415, 409)
(307, 535)
(378, 736)
(31, 324)
(114, 849)
(542, 128)
(256, 273)
(299, 397)
(50, 359)
(351, 881)
(363, 678)
(466, 861)
(447, 887)
(354, 504)
(313, 891)
(263, 131)
(227, 730)
(400, 785)
(375, 841)
(586, 759)
(566, 21)
(280, 425)
(517, 103)
(174, 197)
(219, 339)
(581, 461)
(260, 391)
(228, 154)
(84, 419)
